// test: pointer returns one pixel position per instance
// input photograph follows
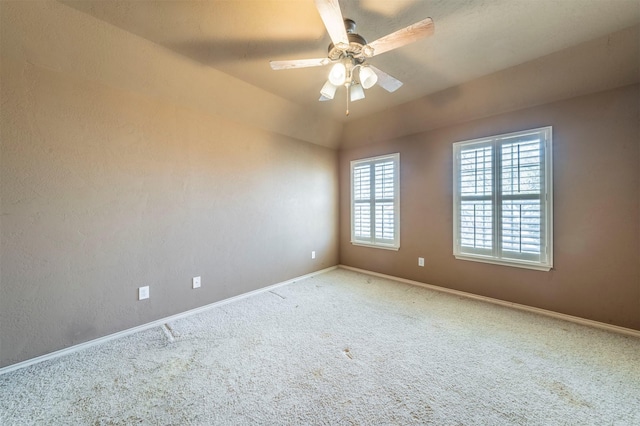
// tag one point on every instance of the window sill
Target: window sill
(512, 263)
(378, 246)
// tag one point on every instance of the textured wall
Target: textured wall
(104, 190)
(596, 170)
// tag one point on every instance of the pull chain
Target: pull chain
(347, 113)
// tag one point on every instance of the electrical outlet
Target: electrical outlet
(196, 282)
(313, 254)
(143, 292)
(421, 261)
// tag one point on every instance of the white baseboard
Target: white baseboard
(557, 315)
(156, 323)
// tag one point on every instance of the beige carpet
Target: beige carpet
(340, 348)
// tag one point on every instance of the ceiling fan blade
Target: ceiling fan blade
(299, 63)
(332, 17)
(323, 98)
(402, 37)
(388, 83)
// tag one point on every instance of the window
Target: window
(375, 202)
(502, 199)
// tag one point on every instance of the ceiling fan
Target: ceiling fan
(349, 51)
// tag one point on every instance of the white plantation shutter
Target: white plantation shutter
(476, 191)
(522, 191)
(362, 203)
(502, 199)
(375, 201)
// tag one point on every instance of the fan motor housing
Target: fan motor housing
(356, 43)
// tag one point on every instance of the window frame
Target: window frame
(372, 241)
(496, 255)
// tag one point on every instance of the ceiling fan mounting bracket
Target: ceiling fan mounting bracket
(350, 26)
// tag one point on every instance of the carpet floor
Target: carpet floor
(340, 348)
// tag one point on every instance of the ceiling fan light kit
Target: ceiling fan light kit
(338, 74)
(328, 91)
(348, 51)
(368, 78)
(356, 92)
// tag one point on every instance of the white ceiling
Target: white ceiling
(472, 38)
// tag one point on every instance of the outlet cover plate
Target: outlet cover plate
(196, 282)
(421, 261)
(143, 292)
(313, 254)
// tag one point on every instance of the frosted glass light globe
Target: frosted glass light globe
(338, 74)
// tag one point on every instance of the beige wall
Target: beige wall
(104, 190)
(596, 210)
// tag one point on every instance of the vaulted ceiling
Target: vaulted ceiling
(472, 38)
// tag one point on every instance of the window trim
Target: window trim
(395, 245)
(546, 194)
